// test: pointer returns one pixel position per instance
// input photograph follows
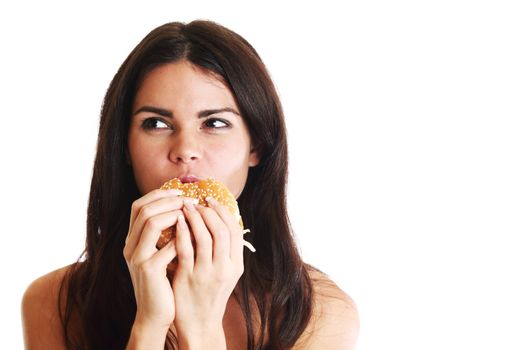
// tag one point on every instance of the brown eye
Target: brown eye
(154, 123)
(214, 123)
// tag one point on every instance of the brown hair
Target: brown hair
(98, 291)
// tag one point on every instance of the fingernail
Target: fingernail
(189, 200)
(189, 205)
(175, 192)
(212, 201)
(181, 221)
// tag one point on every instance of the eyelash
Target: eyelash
(150, 123)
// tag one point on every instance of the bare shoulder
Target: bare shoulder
(40, 312)
(335, 320)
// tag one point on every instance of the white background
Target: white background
(414, 110)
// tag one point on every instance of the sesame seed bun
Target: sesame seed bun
(200, 190)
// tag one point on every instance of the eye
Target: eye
(214, 123)
(154, 123)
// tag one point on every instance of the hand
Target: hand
(207, 274)
(147, 265)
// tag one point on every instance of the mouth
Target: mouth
(188, 179)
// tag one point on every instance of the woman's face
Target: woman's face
(185, 123)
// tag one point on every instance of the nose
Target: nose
(185, 148)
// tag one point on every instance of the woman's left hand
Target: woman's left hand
(207, 274)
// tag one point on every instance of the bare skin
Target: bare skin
(334, 324)
(185, 122)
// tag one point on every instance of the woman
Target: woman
(190, 101)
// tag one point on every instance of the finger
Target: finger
(151, 204)
(220, 234)
(185, 253)
(155, 207)
(146, 246)
(236, 234)
(151, 197)
(149, 210)
(203, 238)
(165, 256)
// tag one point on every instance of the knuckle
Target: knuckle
(205, 249)
(216, 232)
(185, 255)
(146, 211)
(204, 240)
(221, 276)
(133, 261)
(127, 253)
(151, 225)
(185, 252)
(146, 266)
(135, 206)
(140, 265)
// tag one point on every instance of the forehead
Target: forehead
(182, 82)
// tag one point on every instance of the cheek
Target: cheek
(144, 162)
(227, 157)
(229, 165)
(140, 154)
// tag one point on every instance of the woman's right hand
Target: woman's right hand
(147, 265)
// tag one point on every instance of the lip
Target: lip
(188, 179)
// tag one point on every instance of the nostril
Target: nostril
(183, 159)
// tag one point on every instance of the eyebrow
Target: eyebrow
(167, 113)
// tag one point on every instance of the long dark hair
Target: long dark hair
(98, 291)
